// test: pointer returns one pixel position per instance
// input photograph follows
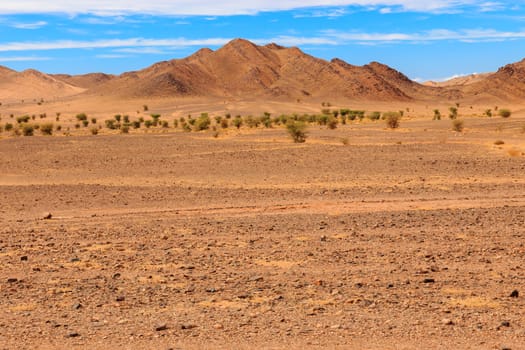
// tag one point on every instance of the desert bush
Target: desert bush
(218, 119)
(94, 130)
(85, 123)
(145, 108)
(124, 129)
(186, 127)
(165, 124)
(392, 119)
(46, 129)
(297, 131)
(332, 123)
(36, 126)
(237, 122)
(58, 127)
(27, 130)
(175, 123)
(8, 127)
(504, 113)
(110, 124)
(488, 113)
(117, 117)
(437, 115)
(457, 125)
(125, 118)
(224, 123)
(43, 115)
(135, 124)
(322, 119)
(93, 120)
(202, 123)
(499, 142)
(453, 113)
(22, 119)
(81, 116)
(77, 126)
(228, 115)
(374, 115)
(148, 123)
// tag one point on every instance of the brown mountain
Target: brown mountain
(243, 69)
(507, 84)
(86, 81)
(32, 84)
(459, 81)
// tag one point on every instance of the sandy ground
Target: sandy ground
(405, 239)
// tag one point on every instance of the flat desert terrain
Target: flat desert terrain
(361, 238)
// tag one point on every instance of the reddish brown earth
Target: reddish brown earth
(403, 239)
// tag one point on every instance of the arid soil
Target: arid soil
(405, 239)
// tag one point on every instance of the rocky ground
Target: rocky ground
(403, 239)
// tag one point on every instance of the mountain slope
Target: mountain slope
(243, 69)
(32, 84)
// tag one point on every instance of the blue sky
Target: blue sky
(432, 39)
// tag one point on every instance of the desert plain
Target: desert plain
(362, 237)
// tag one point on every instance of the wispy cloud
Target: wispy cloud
(34, 25)
(23, 59)
(327, 13)
(221, 8)
(327, 37)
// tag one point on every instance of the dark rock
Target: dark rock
(121, 298)
(23, 258)
(505, 324)
(47, 216)
(515, 293)
(429, 280)
(188, 326)
(12, 280)
(73, 335)
(77, 306)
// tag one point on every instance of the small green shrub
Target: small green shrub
(27, 130)
(202, 123)
(148, 123)
(8, 127)
(237, 122)
(81, 116)
(22, 119)
(135, 124)
(392, 119)
(453, 113)
(504, 113)
(124, 129)
(374, 116)
(458, 125)
(224, 123)
(85, 123)
(297, 131)
(93, 120)
(165, 124)
(46, 129)
(437, 115)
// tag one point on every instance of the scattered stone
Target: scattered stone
(218, 326)
(12, 280)
(505, 324)
(121, 298)
(47, 216)
(515, 293)
(161, 327)
(323, 238)
(429, 280)
(73, 335)
(188, 326)
(77, 306)
(75, 259)
(256, 279)
(211, 290)
(504, 347)
(23, 258)
(117, 275)
(447, 322)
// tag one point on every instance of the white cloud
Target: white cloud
(34, 25)
(218, 8)
(23, 59)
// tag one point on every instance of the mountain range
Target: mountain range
(242, 69)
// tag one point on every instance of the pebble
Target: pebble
(23, 258)
(505, 324)
(161, 327)
(47, 216)
(429, 280)
(447, 322)
(188, 326)
(121, 298)
(77, 306)
(73, 335)
(515, 293)
(12, 280)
